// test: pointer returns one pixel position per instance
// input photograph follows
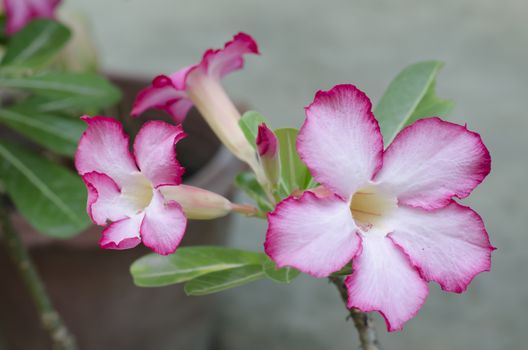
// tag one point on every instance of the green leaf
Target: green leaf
(294, 174)
(222, 280)
(154, 270)
(249, 124)
(409, 97)
(50, 197)
(53, 131)
(248, 183)
(345, 271)
(67, 90)
(283, 275)
(36, 44)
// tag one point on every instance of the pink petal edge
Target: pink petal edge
(363, 297)
(452, 162)
(167, 93)
(313, 234)
(104, 148)
(421, 256)
(155, 152)
(20, 12)
(122, 234)
(103, 198)
(163, 226)
(340, 140)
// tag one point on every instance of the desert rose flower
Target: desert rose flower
(20, 12)
(139, 197)
(199, 85)
(268, 153)
(390, 211)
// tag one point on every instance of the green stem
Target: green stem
(49, 317)
(363, 322)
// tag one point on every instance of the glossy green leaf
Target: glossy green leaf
(154, 270)
(36, 44)
(49, 196)
(248, 183)
(53, 131)
(249, 124)
(283, 275)
(67, 90)
(225, 279)
(294, 174)
(410, 96)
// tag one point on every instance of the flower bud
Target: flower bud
(198, 203)
(268, 152)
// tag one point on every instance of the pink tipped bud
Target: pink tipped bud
(268, 151)
(266, 142)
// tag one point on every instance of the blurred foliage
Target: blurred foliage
(41, 105)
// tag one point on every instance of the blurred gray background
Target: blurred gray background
(311, 45)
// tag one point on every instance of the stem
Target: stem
(49, 317)
(363, 322)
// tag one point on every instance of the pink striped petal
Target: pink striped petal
(154, 148)
(312, 234)
(384, 280)
(122, 234)
(448, 245)
(431, 161)
(164, 224)
(21, 12)
(103, 148)
(218, 63)
(340, 140)
(166, 94)
(104, 199)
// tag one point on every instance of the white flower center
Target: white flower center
(369, 207)
(138, 192)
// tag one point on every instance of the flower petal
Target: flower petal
(384, 280)
(431, 161)
(165, 93)
(164, 224)
(104, 199)
(103, 148)
(448, 245)
(312, 234)
(218, 63)
(154, 148)
(122, 234)
(21, 12)
(340, 140)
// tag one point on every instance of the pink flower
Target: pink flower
(199, 85)
(140, 195)
(21, 12)
(390, 211)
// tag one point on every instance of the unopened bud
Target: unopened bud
(198, 203)
(268, 151)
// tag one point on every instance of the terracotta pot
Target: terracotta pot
(92, 287)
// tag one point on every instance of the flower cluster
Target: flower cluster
(390, 211)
